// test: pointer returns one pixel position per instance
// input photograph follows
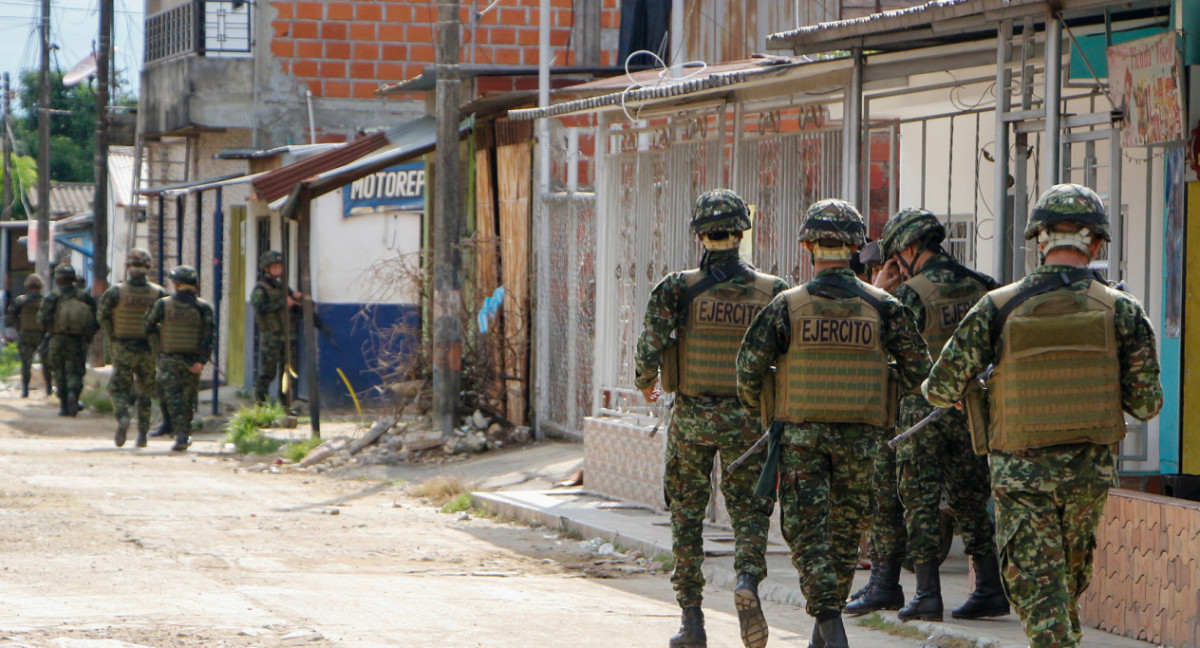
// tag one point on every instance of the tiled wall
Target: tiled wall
(1146, 583)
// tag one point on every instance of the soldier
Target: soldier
(70, 316)
(181, 329)
(830, 339)
(694, 325)
(940, 460)
(1070, 356)
(123, 310)
(270, 297)
(22, 315)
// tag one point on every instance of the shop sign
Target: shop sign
(1144, 81)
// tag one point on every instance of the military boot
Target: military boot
(833, 632)
(24, 390)
(122, 430)
(749, 611)
(141, 439)
(72, 402)
(62, 405)
(182, 442)
(883, 590)
(988, 599)
(926, 604)
(691, 630)
(165, 428)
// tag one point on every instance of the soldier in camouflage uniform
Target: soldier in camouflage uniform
(270, 298)
(69, 314)
(1070, 357)
(694, 325)
(830, 340)
(939, 460)
(123, 310)
(181, 328)
(22, 315)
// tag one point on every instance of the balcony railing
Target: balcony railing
(201, 28)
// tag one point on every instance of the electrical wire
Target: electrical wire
(663, 79)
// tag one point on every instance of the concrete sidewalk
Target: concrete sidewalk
(634, 526)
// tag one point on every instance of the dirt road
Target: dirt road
(110, 548)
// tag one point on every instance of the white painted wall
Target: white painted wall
(346, 249)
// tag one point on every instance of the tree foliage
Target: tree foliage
(24, 178)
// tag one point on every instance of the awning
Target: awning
(79, 241)
(427, 79)
(181, 187)
(278, 183)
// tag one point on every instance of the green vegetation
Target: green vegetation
(10, 361)
(245, 429)
(875, 621)
(664, 562)
(98, 401)
(441, 489)
(460, 503)
(298, 450)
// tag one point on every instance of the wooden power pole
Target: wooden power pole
(100, 197)
(447, 228)
(42, 260)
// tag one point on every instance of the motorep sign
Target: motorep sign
(397, 188)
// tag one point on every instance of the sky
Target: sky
(74, 27)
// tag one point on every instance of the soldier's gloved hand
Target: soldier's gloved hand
(651, 393)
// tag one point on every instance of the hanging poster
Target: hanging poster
(1144, 80)
(397, 188)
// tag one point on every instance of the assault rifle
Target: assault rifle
(42, 346)
(664, 410)
(937, 414)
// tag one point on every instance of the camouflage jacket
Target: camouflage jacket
(13, 318)
(112, 297)
(970, 351)
(663, 316)
(50, 306)
(909, 297)
(154, 318)
(770, 336)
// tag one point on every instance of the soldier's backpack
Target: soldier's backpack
(72, 316)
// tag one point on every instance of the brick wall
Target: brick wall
(348, 48)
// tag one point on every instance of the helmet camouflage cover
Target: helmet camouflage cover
(720, 210)
(184, 275)
(908, 226)
(64, 270)
(33, 281)
(1069, 203)
(833, 219)
(138, 257)
(270, 257)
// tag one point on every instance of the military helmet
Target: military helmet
(270, 257)
(33, 282)
(1069, 203)
(64, 270)
(184, 275)
(908, 226)
(138, 257)
(720, 210)
(833, 219)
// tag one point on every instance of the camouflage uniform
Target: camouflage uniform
(887, 537)
(824, 472)
(29, 336)
(180, 386)
(269, 299)
(1049, 499)
(67, 352)
(133, 379)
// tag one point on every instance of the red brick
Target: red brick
(283, 10)
(304, 69)
(531, 56)
(337, 50)
(393, 52)
(362, 31)
(561, 4)
(309, 10)
(365, 90)
(366, 51)
(333, 31)
(559, 37)
(283, 48)
(562, 18)
(527, 37)
(391, 32)
(333, 70)
(339, 11)
(281, 28)
(306, 29)
(514, 16)
(362, 70)
(399, 12)
(368, 11)
(337, 89)
(609, 19)
(424, 15)
(390, 72)
(502, 36)
(310, 49)
(508, 56)
(419, 33)
(420, 53)
(484, 54)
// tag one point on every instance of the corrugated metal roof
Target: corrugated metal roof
(279, 183)
(178, 187)
(427, 79)
(66, 198)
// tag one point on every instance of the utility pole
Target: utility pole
(448, 219)
(100, 196)
(42, 260)
(6, 194)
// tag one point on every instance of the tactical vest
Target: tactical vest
(73, 316)
(182, 328)
(1058, 380)
(273, 322)
(835, 369)
(712, 335)
(945, 306)
(129, 317)
(29, 312)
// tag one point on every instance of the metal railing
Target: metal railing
(200, 28)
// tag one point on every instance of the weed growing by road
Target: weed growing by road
(441, 489)
(875, 621)
(298, 450)
(245, 429)
(97, 401)
(664, 562)
(458, 504)
(10, 361)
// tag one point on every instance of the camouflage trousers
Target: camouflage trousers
(67, 355)
(132, 385)
(180, 388)
(824, 483)
(26, 349)
(1049, 502)
(701, 430)
(938, 460)
(271, 363)
(887, 537)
